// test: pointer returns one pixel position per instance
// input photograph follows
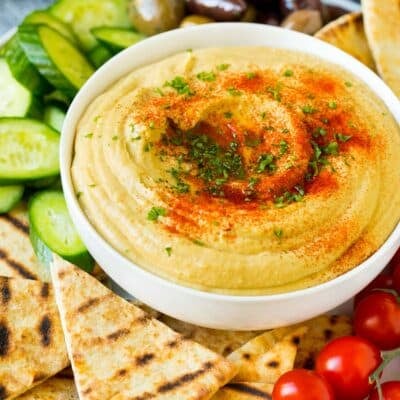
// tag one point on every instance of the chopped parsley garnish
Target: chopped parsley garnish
(147, 146)
(283, 147)
(132, 126)
(251, 75)
(96, 118)
(151, 125)
(92, 185)
(160, 92)
(206, 76)
(180, 85)
(78, 194)
(343, 138)
(348, 84)
(115, 137)
(288, 73)
(276, 92)
(289, 197)
(253, 181)
(251, 142)
(228, 115)
(325, 120)
(285, 130)
(198, 242)
(169, 251)
(223, 67)
(332, 105)
(234, 92)
(89, 135)
(266, 162)
(331, 148)
(278, 233)
(319, 132)
(263, 114)
(156, 212)
(308, 109)
(135, 138)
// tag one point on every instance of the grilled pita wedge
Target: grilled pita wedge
(347, 33)
(117, 351)
(52, 389)
(381, 19)
(245, 391)
(17, 259)
(32, 345)
(266, 357)
(321, 330)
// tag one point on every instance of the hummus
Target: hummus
(240, 170)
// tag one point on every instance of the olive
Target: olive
(266, 5)
(269, 18)
(288, 6)
(331, 13)
(194, 19)
(155, 16)
(250, 15)
(219, 10)
(306, 21)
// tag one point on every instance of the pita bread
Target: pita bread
(52, 389)
(245, 391)
(32, 345)
(118, 352)
(381, 19)
(266, 357)
(321, 330)
(17, 258)
(347, 33)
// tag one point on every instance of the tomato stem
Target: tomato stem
(387, 358)
(390, 291)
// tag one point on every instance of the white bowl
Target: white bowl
(202, 308)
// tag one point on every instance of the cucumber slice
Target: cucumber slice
(15, 99)
(43, 253)
(28, 150)
(117, 39)
(10, 196)
(82, 16)
(56, 58)
(58, 98)
(22, 69)
(99, 55)
(44, 183)
(54, 117)
(40, 17)
(50, 222)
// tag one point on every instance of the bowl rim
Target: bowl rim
(69, 131)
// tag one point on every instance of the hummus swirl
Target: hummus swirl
(240, 170)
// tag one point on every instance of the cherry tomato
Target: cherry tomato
(301, 384)
(377, 318)
(383, 281)
(346, 364)
(396, 277)
(390, 391)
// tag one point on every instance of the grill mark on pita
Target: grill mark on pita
(89, 303)
(45, 330)
(87, 391)
(4, 339)
(44, 292)
(16, 223)
(184, 379)
(3, 393)
(227, 350)
(247, 389)
(246, 356)
(16, 266)
(273, 364)
(144, 359)
(118, 334)
(144, 396)
(122, 372)
(5, 291)
(174, 343)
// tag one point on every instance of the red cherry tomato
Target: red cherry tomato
(346, 364)
(301, 384)
(377, 318)
(383, 281)
(390, 391)
(396, 277)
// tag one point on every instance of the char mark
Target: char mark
(45, 290)
(247, 389)
(89, 303)
(273, 364)
(184, 379)
(45, 330)
(5, 291)
(144, 396)
(16, 223)
(16, 266)
(118, 334)
(4, 339)
(144, 359)
(3, 392)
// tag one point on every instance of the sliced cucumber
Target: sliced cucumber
(85, 15)
(40, 17)
(28, 150)
(22, 69)
(117, 39)
(9, 197)
(58, 98)
(15, 99)
(99, 55)
(44, 183)
(51, 223)
(54, 117)
(43, 253)
(56, 58)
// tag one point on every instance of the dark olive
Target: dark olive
(306, 21)
(331, 13)
(269, 18)
(265, 5)
(155, 16)
(219, 10)
(288, 6)
(191, 20)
